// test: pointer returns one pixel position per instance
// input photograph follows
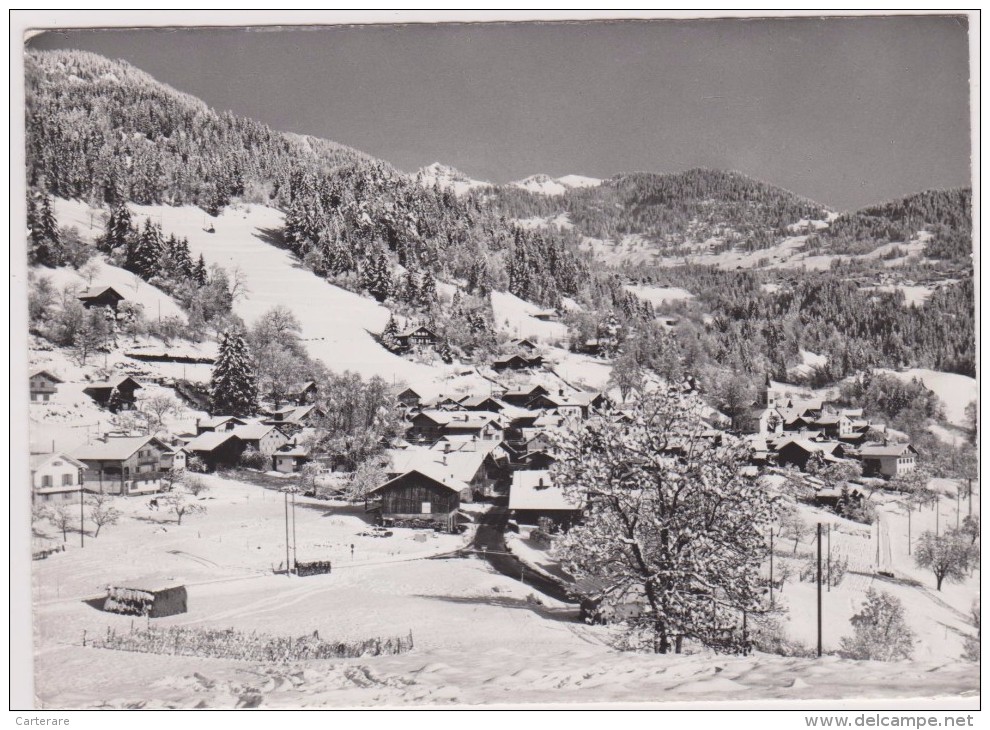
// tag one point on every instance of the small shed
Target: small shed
(151, 599)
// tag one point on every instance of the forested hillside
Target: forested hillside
(945, 214)
(104, 132)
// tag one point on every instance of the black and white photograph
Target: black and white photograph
(524, 361)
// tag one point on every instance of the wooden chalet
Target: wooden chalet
(304, 393)
(518, 362)
(421, 336)
(115, 394)
(124, 465)
(522, 397)
(418, 499)
(101, 296)
(216, 449)
(42, 385)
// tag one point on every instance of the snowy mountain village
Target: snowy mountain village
(306, 430)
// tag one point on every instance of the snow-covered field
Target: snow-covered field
(480, 637)
(954, 390)
(657, 295)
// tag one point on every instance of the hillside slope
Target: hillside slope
(337, 325)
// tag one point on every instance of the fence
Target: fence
(255, 647)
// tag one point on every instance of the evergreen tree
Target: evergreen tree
(119, 230)
(145, 255)
(390, 335)
(43, 235)
(428, 290)
(201, 275)
(233, 389)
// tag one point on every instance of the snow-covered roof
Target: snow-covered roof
(110, 383)
(116, 448)
(95, 291)
(39, 460)
(535, 490)
(440, 478)
(209, 440)
(458, 465)
(292, 450)
(876, 450)
(46, 373)
(253, 431)
(218, 421)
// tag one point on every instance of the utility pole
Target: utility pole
(970, 482)
(819, 536)
(937, 506)
(771, 564)
(828, 541)
(82, 531)
(909, 511)
(288, 573)
(295, 560)
(957, 508)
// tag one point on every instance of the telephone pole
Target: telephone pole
(819, 538)
(288, 573)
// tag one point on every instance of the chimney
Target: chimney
(446, 446)
(541, 482)
(560, 392)
(444, 460)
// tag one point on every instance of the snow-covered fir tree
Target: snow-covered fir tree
(670, 523)
(233, 388)
(390, 335)
(200, 274)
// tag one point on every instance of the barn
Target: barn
(418, 498)
(101, 296)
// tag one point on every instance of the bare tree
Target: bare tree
(238, 284)
(89, 270)
(195, 485)
(62, 517)
(156, 408)
(102, 511)
(178, 503)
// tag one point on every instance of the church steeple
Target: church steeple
(769, 394)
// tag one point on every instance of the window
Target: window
(46, 480)
(67, 480)
(426, 508)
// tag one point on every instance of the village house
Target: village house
(517, 362)
(262, 437)
(533, 496)
(411, 398)
(478, 469)
(418, 498)
(218, 424)
(55, 476)
(421, 336)
(42, 385)
(522, 397)
(560, 403)
(524, 344)
(124, 465)
(797, 451)
(293, 419)
(216, 449)
(483, 403)
(429, 426)
(290, 458)
(546, 315)
(889, 460)
(304, 393)
(177, 460)
(101, 296)
(115, 394)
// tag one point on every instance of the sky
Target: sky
(846, 111)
